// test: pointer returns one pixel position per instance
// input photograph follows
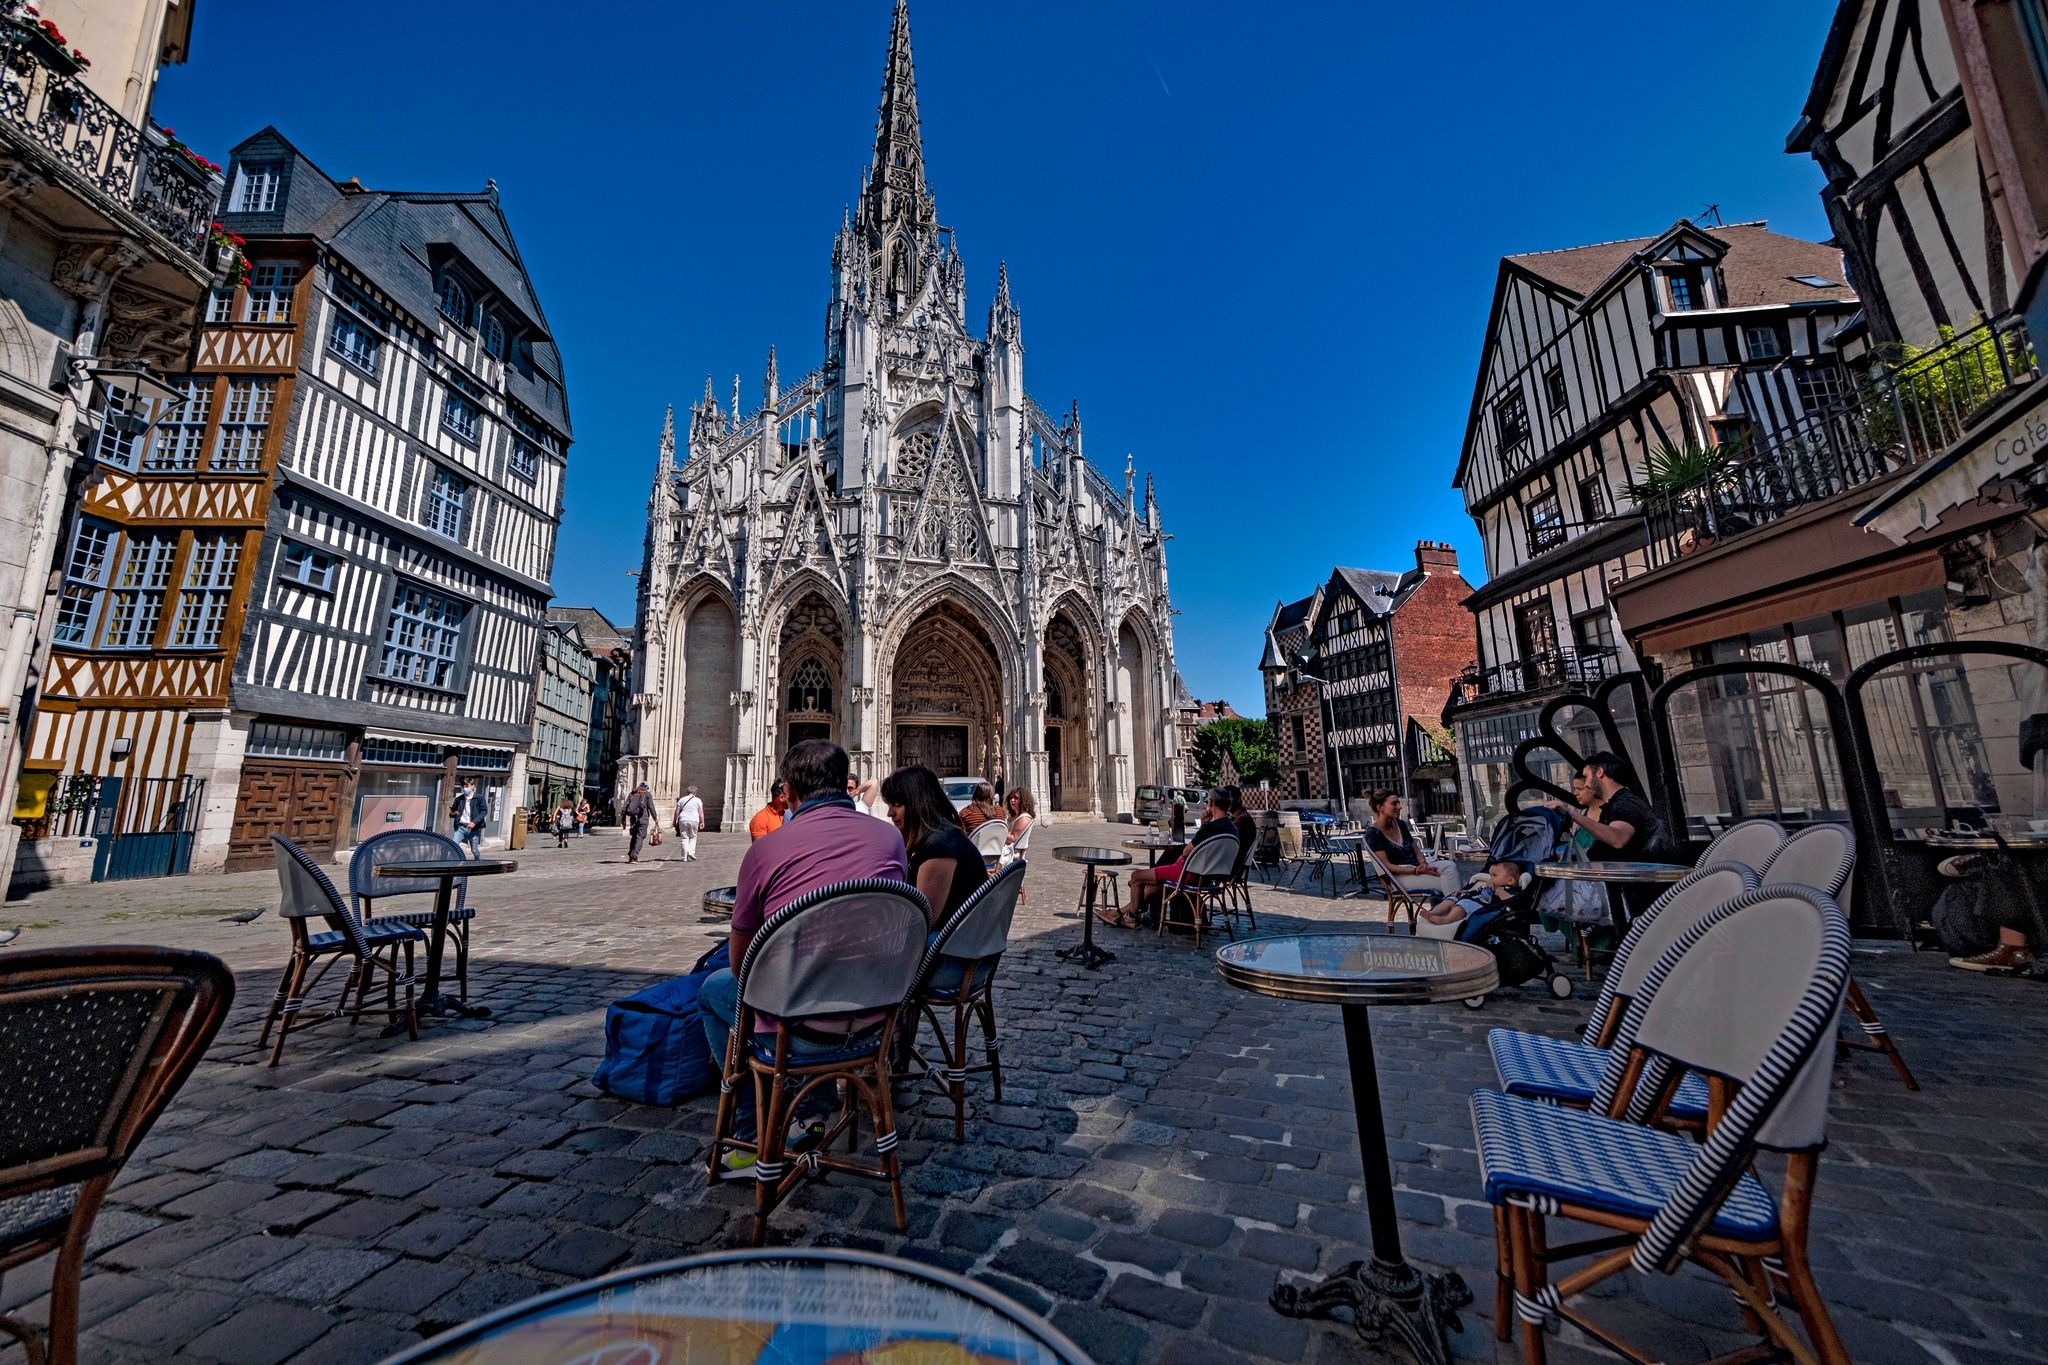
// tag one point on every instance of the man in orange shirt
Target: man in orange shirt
(769, 818)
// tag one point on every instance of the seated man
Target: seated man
(772, 816)
(1216, 823)
(827, 839)
(1446, 919)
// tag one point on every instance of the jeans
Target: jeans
(718, 1003)
(472, 838)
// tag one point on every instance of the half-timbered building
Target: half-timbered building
(104, 258)
(1294, 704)
(388, 369)
(1898, 514)
(1596, 359)
(900, 550)
(563, 687)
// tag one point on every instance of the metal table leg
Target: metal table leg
(1085, 952)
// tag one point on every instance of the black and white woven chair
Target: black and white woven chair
(956, 984)
(94, 1042)
(830, 970)
(1824, 857)
(1203, 883)
(405, 846)
(1748, 999)
(1749, 842)
(1539, 1066)
(372, 951)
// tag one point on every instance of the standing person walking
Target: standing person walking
(639, 819)
(469, 811)
(565, 823)
(689, 819)
(583, 818)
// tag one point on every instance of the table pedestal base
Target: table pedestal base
(1386, 1300)
(1087, 954)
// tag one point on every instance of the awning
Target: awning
(445, 741)
(2010, 445)
(1873, 583)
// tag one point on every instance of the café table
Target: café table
(1091, 860)
(1156, 846)
(719, 901)
(446, 871)
(766, 1307)
(1361, 972)
(1615, 874)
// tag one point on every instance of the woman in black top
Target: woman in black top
(944, 863)
(1393, 840)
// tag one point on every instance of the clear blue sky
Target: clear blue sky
(1257, 241)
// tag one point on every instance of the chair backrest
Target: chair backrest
(1673, 915)
(307, 891)
(848, 948)
(1749, 842)
(1820, 856)
(989, 837)
(94, 1042)
(1210, 858)
(980, 928)
(1752, 995)
(1023, 840)
(401, 846)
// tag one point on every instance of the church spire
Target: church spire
(770, 388)
(668, 443)
(896, 194)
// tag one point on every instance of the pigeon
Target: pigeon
(8, 936)
(246, 916)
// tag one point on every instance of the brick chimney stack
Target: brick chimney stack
(1435, 554)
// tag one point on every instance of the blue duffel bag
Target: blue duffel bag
(654, 1046)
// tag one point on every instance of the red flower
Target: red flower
(167, 132)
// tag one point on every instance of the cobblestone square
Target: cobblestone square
(1168, 1147)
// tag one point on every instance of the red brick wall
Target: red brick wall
(1434, 635)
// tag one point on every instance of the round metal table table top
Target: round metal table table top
(1357, 968)
(1091, 857)
(2032, 841)
(1614, 872)
(719, 900)
(449, 867)
(795, 1306)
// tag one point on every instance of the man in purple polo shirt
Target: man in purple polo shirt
(827, 839)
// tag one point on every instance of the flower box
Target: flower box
(49, 49)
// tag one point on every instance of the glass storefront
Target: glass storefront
(1486, 748)
(393, 798)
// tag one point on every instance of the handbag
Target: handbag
(655, 837)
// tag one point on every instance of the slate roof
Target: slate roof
(600, 636)
(395, 238)
(1759, 267)
(1382, 592)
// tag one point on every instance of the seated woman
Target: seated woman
(1393, 840)
(1447, 918)
(944, 864)
(1216, 822)
(981, 809)
(1023, 815)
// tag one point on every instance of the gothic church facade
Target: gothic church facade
(901, 551)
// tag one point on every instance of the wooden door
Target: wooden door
(301, 802)
(942, 748)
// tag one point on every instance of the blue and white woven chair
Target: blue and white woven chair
(1824, 857)
(830, 970)
(1539, 1066)
(1749, 842)
(372, 950)
(959, 976)
(1748, 999)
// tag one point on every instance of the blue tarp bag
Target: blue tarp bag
(654, 1046)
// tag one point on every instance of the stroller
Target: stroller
(1507, 929)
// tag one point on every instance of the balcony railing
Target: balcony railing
(1555, 668)
(52, 109)
(1900, 415)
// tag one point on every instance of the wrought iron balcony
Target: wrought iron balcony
(1898, 416)
(125, 171)
(1570, 668)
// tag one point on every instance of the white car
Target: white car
(960, 790)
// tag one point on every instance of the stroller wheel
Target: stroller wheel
(1560, 985)
(1474, 1002)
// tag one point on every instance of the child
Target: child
(565, 823)
(1446, 918)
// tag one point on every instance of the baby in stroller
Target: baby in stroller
(1476, 905)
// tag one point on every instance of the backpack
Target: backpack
(655, 1051)
(1963, 919)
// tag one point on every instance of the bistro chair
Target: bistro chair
(1203, 882)
(958, 976)
(1747, 1000)
(94, 1042)
(1237, 892)
(831, 970)
(1538, 1066)
(1749, 842)
(411, 846)
(990, 838)
(371, 951)
(1400, 900)
(1823, 856)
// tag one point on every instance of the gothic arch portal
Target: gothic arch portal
(1069, 666)
(810, 672)
(710, 665)
(1138, 702)
(946, 697)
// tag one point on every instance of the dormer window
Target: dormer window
(1685, 288)
(256, 187)
(455, 301)
(494, 335)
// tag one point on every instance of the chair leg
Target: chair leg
(284, 981)
(1503, 1278)
(1800, 1171)
(1874, 1029)
(885, 1143)
(462, 962)
(1526, 1285)
(986, 1007)
(728, 1105)
(62, 1339)
(956, 1070)
(769, 1126)
(289, 1006)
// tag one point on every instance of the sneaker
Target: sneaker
(1961, 865)
(737, 1166)
(2002, 960)
(804, 1135)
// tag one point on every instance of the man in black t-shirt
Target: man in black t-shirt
(1628, 828)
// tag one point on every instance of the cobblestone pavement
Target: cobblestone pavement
(1166, 1148)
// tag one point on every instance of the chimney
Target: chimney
(351, 186)
(1435, 554)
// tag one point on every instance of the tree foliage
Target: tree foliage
(1250, 744)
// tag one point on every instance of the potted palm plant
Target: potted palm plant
(1679, 484)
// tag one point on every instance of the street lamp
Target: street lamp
(1301, 675)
